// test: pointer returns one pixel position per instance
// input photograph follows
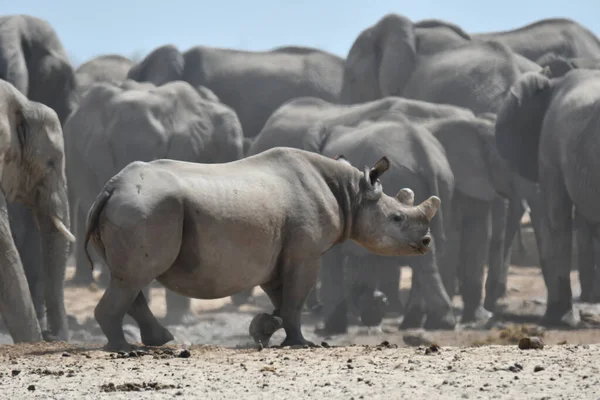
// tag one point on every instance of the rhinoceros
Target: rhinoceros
(210, 230)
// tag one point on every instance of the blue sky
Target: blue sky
(89, 28)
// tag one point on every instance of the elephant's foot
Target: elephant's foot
(446, 321)
(413, 319)
(475, 315)
(156, 335)
(495, 304)
(569, 319)
(49, 336)
(336, 323)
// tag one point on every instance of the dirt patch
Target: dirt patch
(214, 357)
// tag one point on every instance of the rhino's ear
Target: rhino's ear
(380, 167)
(406, 197)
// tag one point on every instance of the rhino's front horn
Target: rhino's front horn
(406, 197)
(430, 206)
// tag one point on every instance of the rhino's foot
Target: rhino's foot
(476, 315)
(412, 319)
(156, 336)
(440, 322)
(297, 342)
(118, 346)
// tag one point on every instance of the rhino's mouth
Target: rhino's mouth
(418, 249)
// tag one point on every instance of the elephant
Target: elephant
(547, 129)
(117, 124)
(33, 173)
(385, 61)
(34, 61)
(560, 36)
(254, 84)
(560, 65)
(104, 68)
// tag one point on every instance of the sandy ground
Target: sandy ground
(473, 362)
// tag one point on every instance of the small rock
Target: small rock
(15, 372)
(65, 354)
(325, 345)
(562, 342)
(416, 339)
(538, 368)
(31, 388)
(533, 342)
(433, 349)
(185, 353)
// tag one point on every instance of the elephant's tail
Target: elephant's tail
(92, 222)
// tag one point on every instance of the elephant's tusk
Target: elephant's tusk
(63, 229)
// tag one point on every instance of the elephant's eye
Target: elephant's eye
(398, 218)
(51, 163)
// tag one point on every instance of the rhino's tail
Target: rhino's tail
(92, 222)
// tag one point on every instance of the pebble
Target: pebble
(533, 342)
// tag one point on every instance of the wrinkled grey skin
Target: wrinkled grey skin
(385, 60)
(420, 163)
(263, 326)
(304, 122)
(34, 61)
(106, 68)
(293, 206)
(560, 65)
(587, 247)
(553, 35)
(33, 173)
(548, 130)
(118, 124)
(254, 84)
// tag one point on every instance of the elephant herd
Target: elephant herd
(491, 123)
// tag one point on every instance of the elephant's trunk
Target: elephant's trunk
(55, 239)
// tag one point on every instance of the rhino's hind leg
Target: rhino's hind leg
(112, 307)
(297, 281)
(151, 331)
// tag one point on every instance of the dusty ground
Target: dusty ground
(467, 366)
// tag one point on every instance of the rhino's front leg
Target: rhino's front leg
(298, 278)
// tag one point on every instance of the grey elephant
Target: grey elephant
(254, 84)
(34, 61)
(293, 206)
(548, 130)
(560, 65)
(560, 36)
(33, 174)
(118, 124)
(385, 60)
(105, 68)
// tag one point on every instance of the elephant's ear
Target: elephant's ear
(398, 54)
(555, 65)
(466, 156)
(164, 64)
(519, 123)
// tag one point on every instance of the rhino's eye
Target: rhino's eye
(398, 218)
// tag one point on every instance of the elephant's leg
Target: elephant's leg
(16, 304)
(83, 273)
(556, 245)
(475, 234)
(297, 281)
(116, 301)
(448, 262)
(438, 305)
(414, 312)
(178, 308)
(584, 237)
(242, 297)
(333, 295)
(312, 301)
(27, 240)
(596, 249)
(151, 331)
